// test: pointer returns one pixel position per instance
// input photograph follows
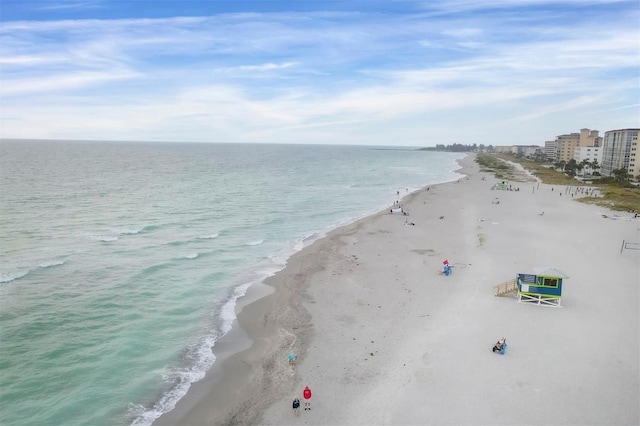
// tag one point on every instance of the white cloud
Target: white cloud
(561, 107)
(61, 82)
(287, 77)
(463, 32)
(261, 67)
(69, 5)
(27, 60)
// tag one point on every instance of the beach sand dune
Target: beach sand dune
(383, 337)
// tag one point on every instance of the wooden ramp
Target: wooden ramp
(506, 287)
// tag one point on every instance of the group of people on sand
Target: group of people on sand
(397, 208)
(306, 394)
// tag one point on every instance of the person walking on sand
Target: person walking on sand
(296, 406)
(306, 393)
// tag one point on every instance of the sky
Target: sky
(366, 72)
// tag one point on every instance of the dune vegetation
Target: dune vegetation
(619, 196)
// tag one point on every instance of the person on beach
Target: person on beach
(296, 406)
(292, 358)
(306, 393)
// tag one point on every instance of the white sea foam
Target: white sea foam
(200, 357)
(209, 237)
(255, 243)
(7, 277)
(107, 238)
(53, 262)
(191, 256)
(299, 245)
(130, 231)
(309, 239)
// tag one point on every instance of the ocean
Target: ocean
(121, 262)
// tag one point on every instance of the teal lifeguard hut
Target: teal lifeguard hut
(543, 287)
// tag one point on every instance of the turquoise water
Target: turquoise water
(120, 263)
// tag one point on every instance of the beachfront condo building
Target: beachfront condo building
(620, 151)
(566, 144)
(503, 149)
(590, 138)
(588, 153)
(550, 148)
(527, 151)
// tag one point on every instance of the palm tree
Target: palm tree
(570, 167)
(621, 175)
(584, 164)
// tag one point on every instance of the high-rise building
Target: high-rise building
(566, 144)
(550, 148)
(620, 151)
(589, 138)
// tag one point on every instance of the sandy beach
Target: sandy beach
(382, 337)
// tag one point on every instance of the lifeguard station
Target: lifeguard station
(544, 287)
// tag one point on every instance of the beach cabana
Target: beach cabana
(544, 287)
(503, 186)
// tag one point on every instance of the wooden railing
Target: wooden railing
(506, 287)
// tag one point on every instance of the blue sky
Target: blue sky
(396, 73)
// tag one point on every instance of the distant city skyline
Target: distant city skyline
(392, 73)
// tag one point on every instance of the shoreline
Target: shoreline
(372, 321)
(239, 352)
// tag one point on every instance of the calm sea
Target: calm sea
(120, 263)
